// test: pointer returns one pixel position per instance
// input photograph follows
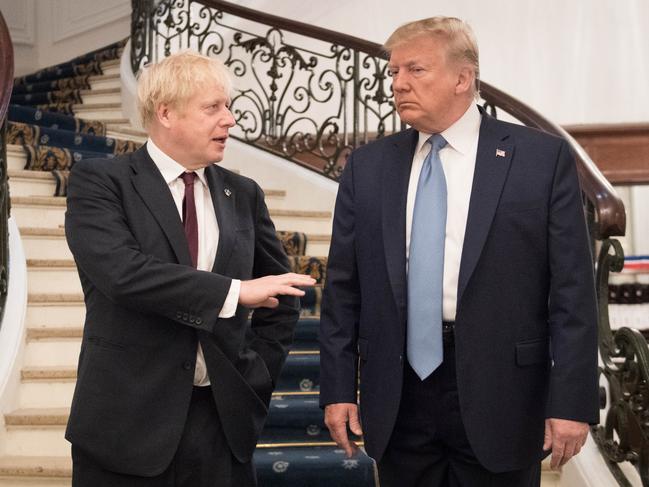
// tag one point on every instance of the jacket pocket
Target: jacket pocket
(531, 352)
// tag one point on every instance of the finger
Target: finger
(354, 422)
(568, 453)
(547, 437)
(557, 455)
(288, 291)
(339, 435)
(293, 279)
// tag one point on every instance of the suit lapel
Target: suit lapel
(394, 194)
(493, 159)
(153, 190)
(224, 200)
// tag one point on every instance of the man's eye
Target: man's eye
(392, 73)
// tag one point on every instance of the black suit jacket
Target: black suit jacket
(526, 332)
(148, 308)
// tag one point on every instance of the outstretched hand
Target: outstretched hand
(263, 292)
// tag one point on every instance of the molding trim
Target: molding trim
(621, 151)
(70, 18)
(21, 18)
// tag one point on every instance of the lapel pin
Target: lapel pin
(500, 153)
(227, 192)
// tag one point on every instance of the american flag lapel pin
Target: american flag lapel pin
(500, 153)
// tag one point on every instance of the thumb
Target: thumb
(354, 423)
(547, 437)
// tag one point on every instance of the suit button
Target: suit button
(179, 315)
(192, 318)
(401, 359)
(185, 316)
(187, 365)
(199, 321)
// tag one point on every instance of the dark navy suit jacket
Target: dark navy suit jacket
(148, 308)
(526, 329)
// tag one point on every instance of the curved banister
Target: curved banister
(6, 68)
(610, 219)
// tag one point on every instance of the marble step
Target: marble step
(43, 183)
(106, 112)
(57, 310)
(105, 81)
(43, 211)
(101, 95)
(43, 275)
(49, 243)
(110, 68)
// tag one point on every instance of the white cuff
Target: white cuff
(231, 300)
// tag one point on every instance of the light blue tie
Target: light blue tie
(426, 265)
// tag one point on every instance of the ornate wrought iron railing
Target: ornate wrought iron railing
(6, 85)
(312, 95)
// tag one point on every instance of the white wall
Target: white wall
(47, 32)
(576, 61)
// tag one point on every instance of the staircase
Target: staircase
(295, 448)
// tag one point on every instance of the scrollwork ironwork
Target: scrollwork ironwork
(311, 102)
(624, 434)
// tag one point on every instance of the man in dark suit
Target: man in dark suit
(173, 381)
(460, 283)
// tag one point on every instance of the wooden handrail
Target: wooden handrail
(6, 68)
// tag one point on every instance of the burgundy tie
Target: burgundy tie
(190, 222)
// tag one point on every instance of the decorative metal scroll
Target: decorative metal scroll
(304, 99)
(624, 434)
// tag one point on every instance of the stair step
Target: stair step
(62, 352)
(16, 157)
(127, 130)
(102, 81)
(102, 95)
(106, 112)
(44, 310)
(49, 211)
(45, 274)
(110, 68)
(305, 463)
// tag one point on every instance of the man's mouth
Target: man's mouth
(220, 139)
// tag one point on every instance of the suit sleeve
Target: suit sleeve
(572, 302)
(271, 329)
(108, 255)
(341, 303)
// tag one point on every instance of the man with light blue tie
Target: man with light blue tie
(460, 285)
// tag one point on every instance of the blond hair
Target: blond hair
(460, 41)
(175, 79)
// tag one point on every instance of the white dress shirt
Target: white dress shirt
(208, 234)
(458, 161)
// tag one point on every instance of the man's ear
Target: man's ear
(465, 80)
(164, 114)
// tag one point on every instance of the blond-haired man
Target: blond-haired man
(460, 282)
(173, 381)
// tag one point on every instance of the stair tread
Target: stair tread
(80, 107)
(55, 298)
(59, 201)
(60, 232)
(101, 91)
(103, 77)
(27, 174)
(35, 466)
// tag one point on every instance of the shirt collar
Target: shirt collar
(169, 168)
(462, 134)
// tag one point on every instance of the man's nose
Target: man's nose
(229, 120)
(399, 82)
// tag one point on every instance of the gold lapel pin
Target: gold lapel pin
(227, 192)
